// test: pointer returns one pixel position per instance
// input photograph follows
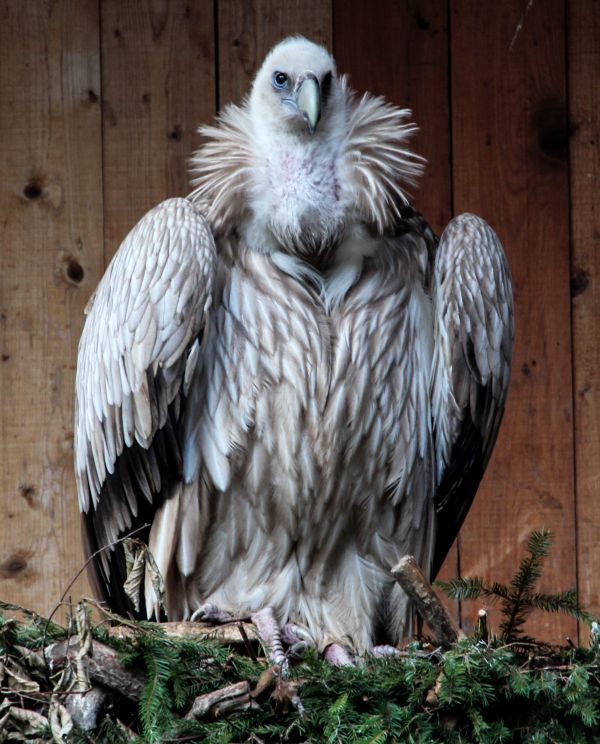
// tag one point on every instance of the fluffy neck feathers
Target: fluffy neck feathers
(364, 145)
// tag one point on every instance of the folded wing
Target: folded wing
(139, 346)
(473, 340)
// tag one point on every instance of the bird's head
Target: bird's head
(296, 89)
(304, 162)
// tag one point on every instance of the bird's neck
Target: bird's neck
(295, 202)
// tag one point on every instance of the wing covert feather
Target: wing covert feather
(140, 335)
(473, 340)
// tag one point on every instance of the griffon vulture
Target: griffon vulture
(286, 375)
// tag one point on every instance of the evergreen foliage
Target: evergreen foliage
(478, 692)
(519, 597)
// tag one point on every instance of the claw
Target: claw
(297, 650)
(210, 613)
(385, 651)
(292, 634)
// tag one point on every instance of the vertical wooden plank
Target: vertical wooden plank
(158, 85)
(584, 104)
(51, 217)
(402, 55)
(247, 31)
(510, 166)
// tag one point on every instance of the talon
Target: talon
(210, 613)
(292, 634)
(297, 650)
(384, 651)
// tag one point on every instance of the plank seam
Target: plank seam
(216, 55)
(102, 130)
(568, 36)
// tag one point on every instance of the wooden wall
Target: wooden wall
(99, 103)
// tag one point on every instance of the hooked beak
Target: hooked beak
(306, 99)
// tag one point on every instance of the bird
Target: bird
(286, 381)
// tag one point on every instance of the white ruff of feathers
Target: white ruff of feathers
(374, 163)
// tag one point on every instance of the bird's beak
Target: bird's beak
(308, 100)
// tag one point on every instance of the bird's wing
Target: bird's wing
(136, 356)
(473, 339)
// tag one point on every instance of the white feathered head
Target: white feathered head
(304, 160)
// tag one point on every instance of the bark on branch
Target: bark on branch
(102, 665)
(443, 626)
(222, 702)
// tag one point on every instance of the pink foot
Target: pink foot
(338, 655)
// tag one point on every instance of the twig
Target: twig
(482, 626)
(222, 702)
(246, 640)
(102, 666)
(88, 561)
(227, 633)
(410, 577)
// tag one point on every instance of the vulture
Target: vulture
(285, 381)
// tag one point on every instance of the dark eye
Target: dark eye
(325, 87)
(280, 80)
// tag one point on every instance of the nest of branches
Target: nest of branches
(103, 678)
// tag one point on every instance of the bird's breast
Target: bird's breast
(299, 411)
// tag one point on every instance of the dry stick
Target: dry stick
(91, 558)
(410, 577)
(482, 626)
(103, 666)
(82, 569)
(221, 702)
(227, 633)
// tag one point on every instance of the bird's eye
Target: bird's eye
(280, 80)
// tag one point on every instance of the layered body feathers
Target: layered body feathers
(285, 376)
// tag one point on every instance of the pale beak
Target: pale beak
(306, 99)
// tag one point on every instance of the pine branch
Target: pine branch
(472, 692)
(465, 588)
(566, 602)
(155, 704)
(523, 583)
(519, 597)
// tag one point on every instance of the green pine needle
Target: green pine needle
(476, 692)
(519, 598)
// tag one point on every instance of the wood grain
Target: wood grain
(584, 103)
(157, 86)
(51, 217)
(248, 30)
(403, 56)
(509, 128)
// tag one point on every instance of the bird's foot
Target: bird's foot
(270, 634)
(210, 613)
(338, 655)
(297, 639)
(384, 652)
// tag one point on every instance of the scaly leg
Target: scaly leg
(270, 633)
